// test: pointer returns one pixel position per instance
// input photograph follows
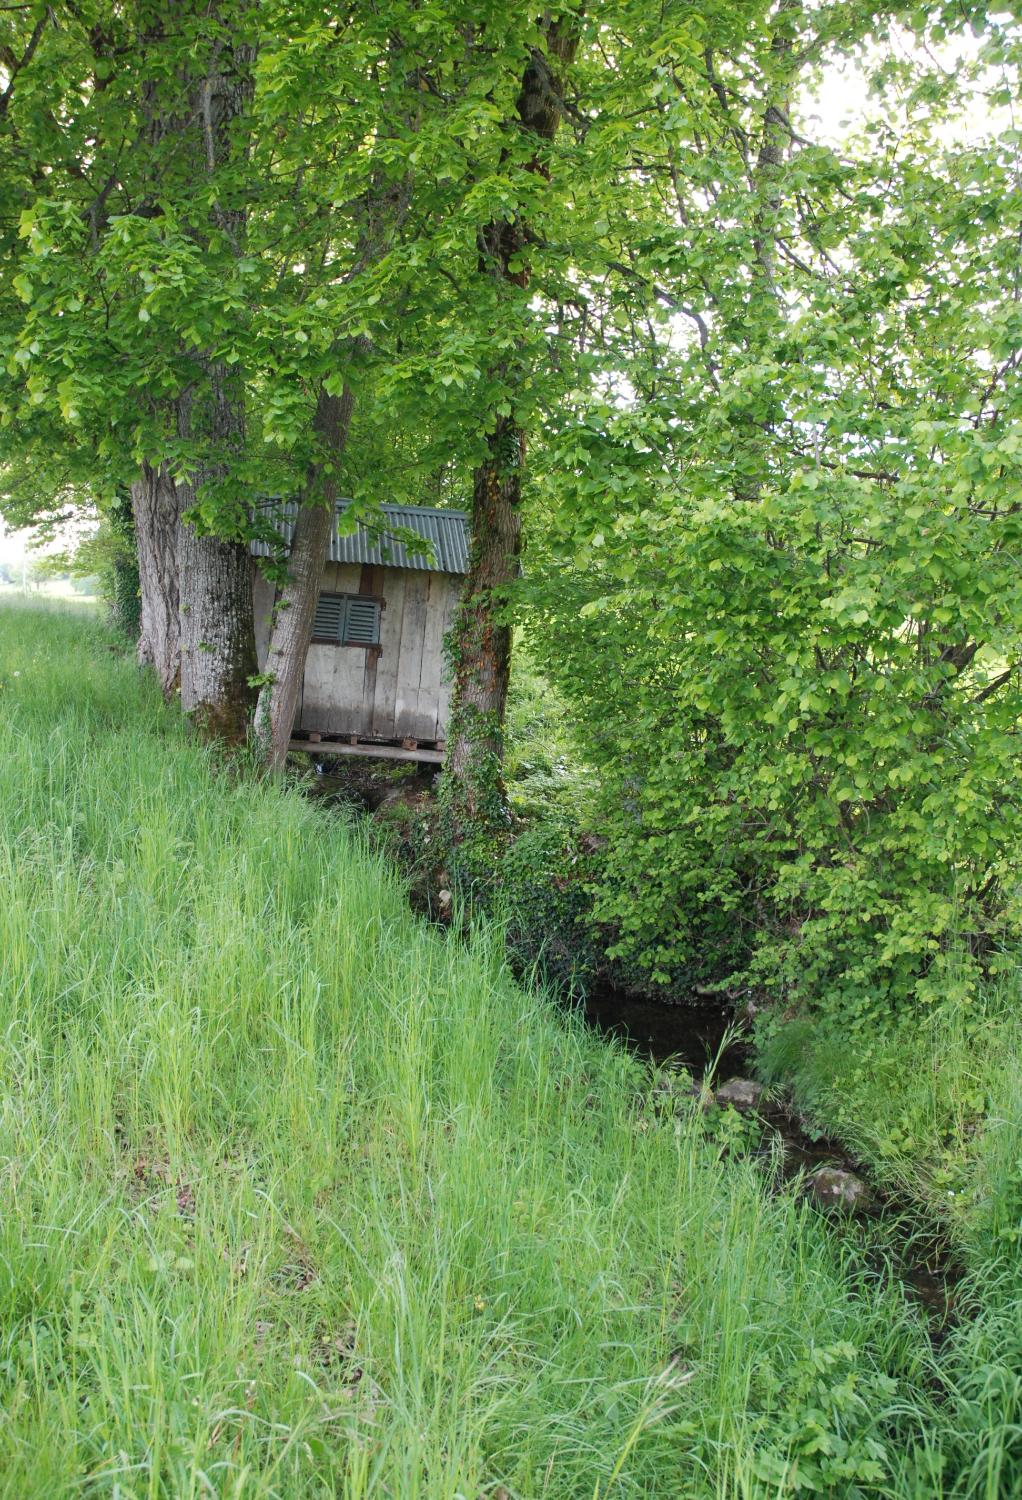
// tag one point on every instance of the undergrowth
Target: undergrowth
(931, 1100)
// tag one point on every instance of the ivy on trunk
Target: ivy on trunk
(480, 641)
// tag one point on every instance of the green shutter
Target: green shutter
(347, 620)
(329, 622)
(362, 626)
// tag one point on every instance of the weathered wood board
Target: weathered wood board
(371, 752)
(334, 674)
(389, 662)
(263, 595)
(413, 630)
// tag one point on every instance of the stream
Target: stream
(703, 1039)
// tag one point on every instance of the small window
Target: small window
(347, 620)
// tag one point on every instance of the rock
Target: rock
(740, 1093)
(836, 1187)
(751, 1007)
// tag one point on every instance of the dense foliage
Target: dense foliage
(769, 383)
(307, 1197)
(372, 151)
(780, 581)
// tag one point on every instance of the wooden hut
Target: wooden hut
(376, 681)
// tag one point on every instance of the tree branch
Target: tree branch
(26, 58)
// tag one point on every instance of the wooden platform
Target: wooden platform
(375, 752)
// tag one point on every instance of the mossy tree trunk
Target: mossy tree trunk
(479, 644)
(481, 636)
(218, 656)
(124, 597)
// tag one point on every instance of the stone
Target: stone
(750, 1008)
(740, 1093)
(836, 1187)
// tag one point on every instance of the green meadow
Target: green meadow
(302, 1198)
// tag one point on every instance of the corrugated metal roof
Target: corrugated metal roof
(446, 532)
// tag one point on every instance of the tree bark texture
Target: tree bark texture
(217, 633)
(155, 510)
(480, 639)
(218, 654)
(295, 608)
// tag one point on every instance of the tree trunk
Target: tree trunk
(155, 508)
(217, 634)
(480, 639)
(482, 634)
(295, 609)
(386, 203)
(780, 83)
(218, 656)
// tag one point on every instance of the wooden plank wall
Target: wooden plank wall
(263, 594)
(335, 675)
(412, 695)
(395, 691)
(388, 665)
(413, 631)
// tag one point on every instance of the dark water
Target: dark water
(702, 1037)
(362, 785)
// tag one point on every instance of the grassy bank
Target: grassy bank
(303, 1199)
(931, 1102)
(929, 1099)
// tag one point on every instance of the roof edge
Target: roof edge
(385, 537)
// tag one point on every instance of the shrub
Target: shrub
(802, 751)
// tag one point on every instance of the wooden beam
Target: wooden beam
(374, 752)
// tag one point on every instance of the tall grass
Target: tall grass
(301, 1198)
